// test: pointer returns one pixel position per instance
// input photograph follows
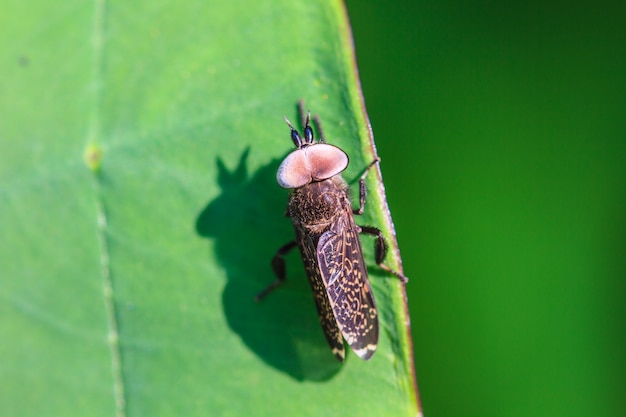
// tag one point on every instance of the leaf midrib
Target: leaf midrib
(93, 146)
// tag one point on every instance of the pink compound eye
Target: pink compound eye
(315, 162)
(294, 171)
(326, 161)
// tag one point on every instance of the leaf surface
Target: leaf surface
(140, 210)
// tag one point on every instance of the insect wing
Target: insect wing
(344, 274)
(324, 308)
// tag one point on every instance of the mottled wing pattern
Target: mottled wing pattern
(324, 309)
(344, 274)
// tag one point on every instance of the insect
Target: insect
(328, 239)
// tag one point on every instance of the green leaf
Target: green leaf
(138, 152)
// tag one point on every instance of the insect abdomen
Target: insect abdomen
(331, 251)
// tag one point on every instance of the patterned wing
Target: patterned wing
(324, 309)
(344, 274)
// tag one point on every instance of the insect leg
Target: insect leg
(380, 250)
(278, 265)
(302, 113)
(362, 191)
(318, 127)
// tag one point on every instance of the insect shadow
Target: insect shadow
(247, 223)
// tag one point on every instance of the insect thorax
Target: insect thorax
(315, 206)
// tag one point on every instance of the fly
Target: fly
(328, 239)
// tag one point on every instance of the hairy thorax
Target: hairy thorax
(315, 206)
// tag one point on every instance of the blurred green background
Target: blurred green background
(502, 132)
